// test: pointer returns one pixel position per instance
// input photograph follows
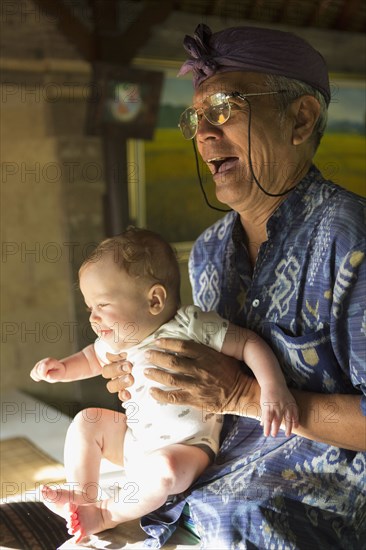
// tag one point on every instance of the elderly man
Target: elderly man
(288, 262)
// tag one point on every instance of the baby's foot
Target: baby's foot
(88, 519)
(58, 499)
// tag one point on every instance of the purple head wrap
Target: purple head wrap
(254, 49)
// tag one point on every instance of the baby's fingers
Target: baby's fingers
(34, 375)
(266, 423)
(40, 371)
(275, 414)
(291, 418)
(276, 423)
(271, 419)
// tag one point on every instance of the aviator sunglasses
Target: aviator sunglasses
(216, 108)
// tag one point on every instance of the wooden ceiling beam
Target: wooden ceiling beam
(215, 7)
(71, 27)
(105, 18)
(122, 48)
(282, 12)
(318, 10)
(348, 12)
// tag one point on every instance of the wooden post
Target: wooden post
(116, 200)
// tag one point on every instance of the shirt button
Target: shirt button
(255, 303)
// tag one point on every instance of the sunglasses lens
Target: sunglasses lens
(217, 109)
(188, 123)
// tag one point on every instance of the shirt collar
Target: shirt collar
(290, 208)
(287, 211)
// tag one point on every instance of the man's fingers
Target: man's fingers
(113, 358)
(188, 348)
(119, 375)
(174, 397)
(116, 369)
(170, 380)
(124, 395)
(112, 371)
(170, 361)
(119, 384)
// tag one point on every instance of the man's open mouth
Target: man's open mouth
(221, 164)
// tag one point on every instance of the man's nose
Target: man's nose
(206, 130)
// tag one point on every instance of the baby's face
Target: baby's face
(118, 303)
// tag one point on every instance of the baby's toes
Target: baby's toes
(73, 522)
(72, 516)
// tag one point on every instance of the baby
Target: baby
(131, 287)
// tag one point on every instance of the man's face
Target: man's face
(225, 148)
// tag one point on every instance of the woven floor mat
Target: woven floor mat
(24, 467)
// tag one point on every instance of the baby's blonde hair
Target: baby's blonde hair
(143, 254)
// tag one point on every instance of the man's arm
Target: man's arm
(206, 378)
(335, 419)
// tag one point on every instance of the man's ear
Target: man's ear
(305, 111)
(157, 299)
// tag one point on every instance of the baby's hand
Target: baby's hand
(277, 404)
(49, 369)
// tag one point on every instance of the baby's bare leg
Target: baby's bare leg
(165, 472)
(94, 434)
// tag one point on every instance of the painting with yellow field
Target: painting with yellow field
(175, 206)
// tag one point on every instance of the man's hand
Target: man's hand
(202, 377)
(119, 373)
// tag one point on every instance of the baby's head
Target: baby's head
(131, 285)
(144, 255)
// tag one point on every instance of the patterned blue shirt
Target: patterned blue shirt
(306, 297)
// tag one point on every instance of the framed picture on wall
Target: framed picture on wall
(125, 98)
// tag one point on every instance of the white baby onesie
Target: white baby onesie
(153, 425)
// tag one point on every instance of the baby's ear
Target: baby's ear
(157, 299)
